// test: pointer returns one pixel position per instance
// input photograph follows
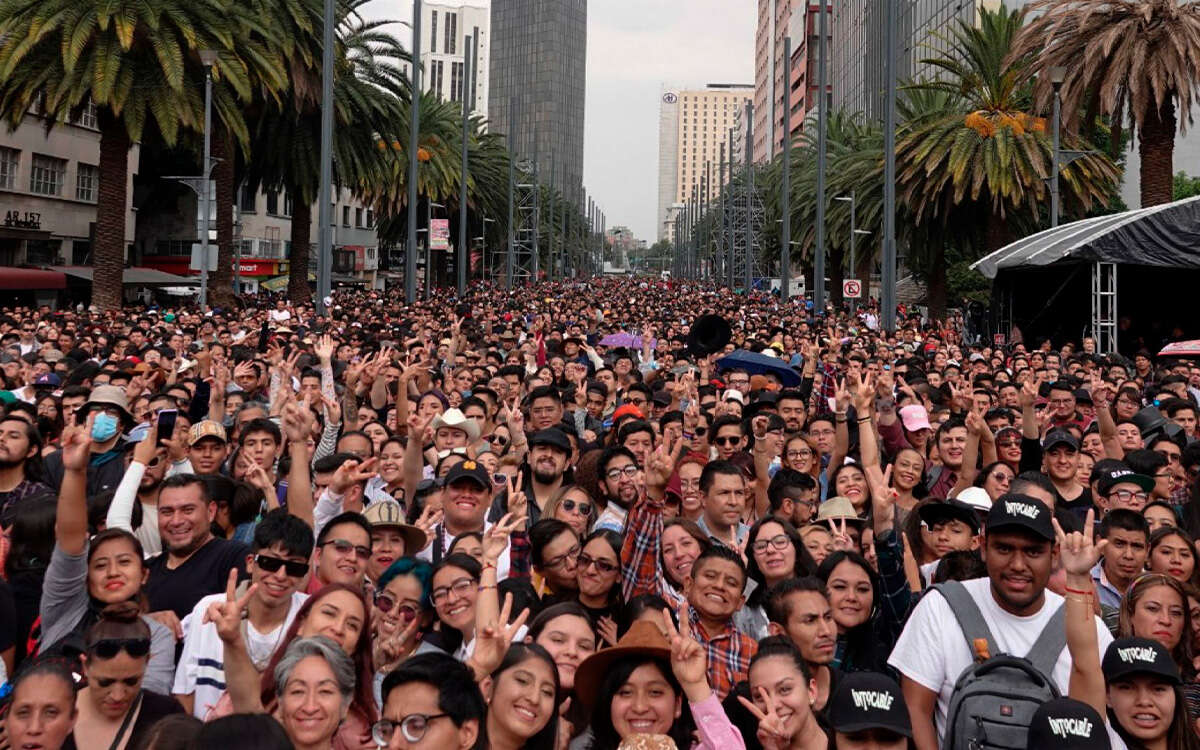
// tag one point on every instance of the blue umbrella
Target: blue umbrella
(760, 364)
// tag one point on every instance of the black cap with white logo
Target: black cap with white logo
(868, 700)
(1129, 657)
(1021, 512)
(1067, 724)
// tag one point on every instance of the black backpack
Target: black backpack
(994, 700)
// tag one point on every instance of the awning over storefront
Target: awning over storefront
(133, 276)
(31, 279)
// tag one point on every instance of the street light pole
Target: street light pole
(785, 244)
(888, 277)
(853, 232)
(208, 57)
(414, 142)
(463, 254)
(822, 120)
(512, 178)
(1057, 75)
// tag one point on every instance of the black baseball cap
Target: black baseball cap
(933, 513)
(1122, 475)
(1059, 436)
(868, 700)
(1128, 657)
(1015, 511)
(1067, 724)
(472, 471)
(553, 437)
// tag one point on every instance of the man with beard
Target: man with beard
(798, 608)
(1019, 551)
(549, 454)
(20, 465)
(142, 482)
(623, 484)
(194, 563)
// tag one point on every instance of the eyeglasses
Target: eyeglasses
(700, 431)
(344, 547)
(638, 402)
(727, 440)
(557, 560)
(1000, 476)
(413, 728)
(273, 564)
(571, 506)
(1127, 495)
(108, 648)
(499, 440)
(603, 566)
(1171, 457)
(793, 455)
(779, 542)
(385, 603)
(628, 472)
(461, 588)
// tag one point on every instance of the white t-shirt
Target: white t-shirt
(933, 652)
(201, 670)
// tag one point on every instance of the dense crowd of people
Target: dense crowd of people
(592, 514)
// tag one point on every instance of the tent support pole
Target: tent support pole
(1104, 306)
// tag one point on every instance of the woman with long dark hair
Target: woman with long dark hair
(523, 700)
(774, 552)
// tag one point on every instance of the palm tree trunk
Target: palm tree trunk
(935, 290)
(298, 288)
(108, 255)
(836, 275)
(1156, 146)
(220, 283)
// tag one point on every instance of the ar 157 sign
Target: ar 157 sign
(23, 220)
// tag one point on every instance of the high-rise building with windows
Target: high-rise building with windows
(692, 126)
(774, 24)
(445, 26)
(538, 61)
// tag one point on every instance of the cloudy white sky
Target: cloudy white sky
(634, 48)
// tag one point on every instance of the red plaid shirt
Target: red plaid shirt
(729, 653)
(641, 561)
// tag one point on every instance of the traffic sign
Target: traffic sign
(851, 288)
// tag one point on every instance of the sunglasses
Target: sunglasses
(385, 603)
(273, 564)
(604, 566)
(344, 547)
(570, 506)
(108, 648)
(727, 440)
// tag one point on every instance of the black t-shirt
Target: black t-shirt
(205, 572)
(8, 618)
(1079, 506)
(154, 707)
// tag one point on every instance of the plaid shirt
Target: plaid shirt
(641, 561)
(729, 653)
(828, 389)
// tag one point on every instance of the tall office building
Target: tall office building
(445, 25)
(774, 23)
(804, 29)
(692, 125)
(538, 59)
(859, 68)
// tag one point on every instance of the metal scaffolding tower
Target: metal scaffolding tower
(524, 232)
(746, 215)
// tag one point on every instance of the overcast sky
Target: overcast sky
(634, 47)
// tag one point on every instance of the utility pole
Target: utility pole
(887, 295)
(206, 196)
(749, 231)
(785, 235)
(463, 252)
(822, 122)
(414, 143)
(512, 179)
(732, 206)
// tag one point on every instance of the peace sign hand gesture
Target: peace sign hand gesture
(495, 539)
(227, 615)
(518, 501)
(771, 732)
(688, 661)
(390, 650)
(842, 541)
(493, 639)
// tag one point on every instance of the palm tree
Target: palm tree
(369, 90)
(972, 154)
(1124, 58)
(138, 62)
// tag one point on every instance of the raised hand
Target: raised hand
(492, 639)
(518, 502)
(1079, 551)
(495, 539)
(77, 445)
(842, 541)
(227, 615)
(351, 472)
(660, 464)
(607, 627)
(324, 349)
(389, 650)
(688, 660)
(431, 515)
(297, 423)
(771, 732)
(144, 451)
